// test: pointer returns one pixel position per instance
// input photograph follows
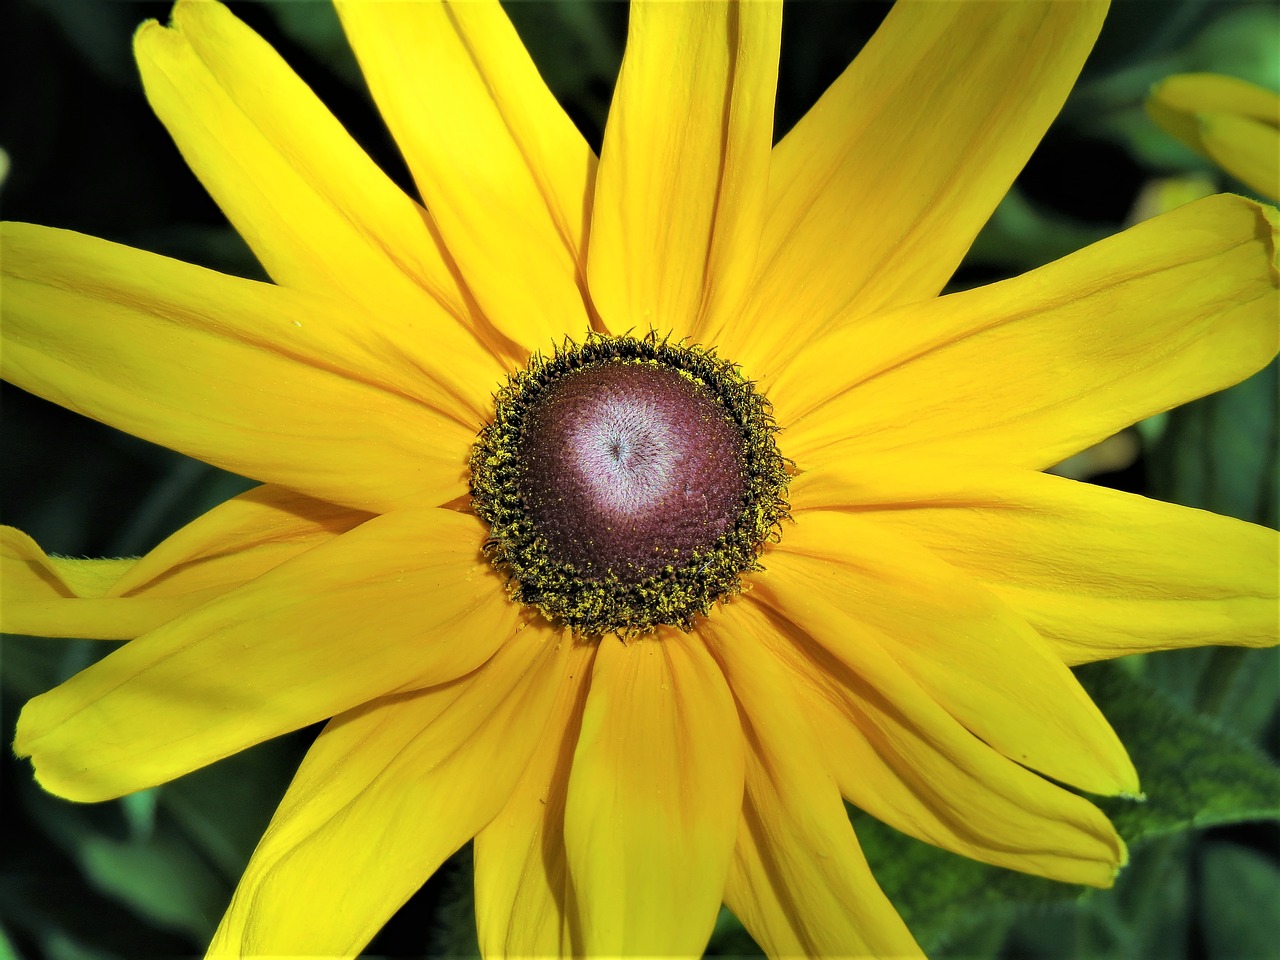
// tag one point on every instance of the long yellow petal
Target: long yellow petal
(385, 794)
(798, 880)
(1031, 370)
(122, 599)
(1098, 572)
(401, 602)
(680, 196)
(506, 175)
(318, 213)
(654, 798)
(878, 192)
(269, 383)
(1246, 149)
(523, 898)
(975, 657)
(902, 758)
(1235, 123)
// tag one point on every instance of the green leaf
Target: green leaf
(1239, 895)
(944, 898)
(224, 808)
(729, 938)
(1194, 772)
(577, 46)
(1021, 235)
(315, 27)
(1146, 914)
(1222, 453)
(162, 877)
(453, 927)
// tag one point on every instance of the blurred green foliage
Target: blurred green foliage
(150, 874)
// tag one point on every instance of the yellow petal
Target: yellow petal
(884, 596)
(1246, 149)
(1032, 370)
(30, 575)
(235, 542)
(903, 759)
(680, 195)
(401, 602)
(654, 798)
(798, 880)
(122, 599)
(502, 168)
(878, 192)
(1180, 97)
(269, 383)
(1235, 123)
(521, 878)
(318, 213)
(1098, 572)
(385, 794)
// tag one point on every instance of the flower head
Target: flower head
(639, 610)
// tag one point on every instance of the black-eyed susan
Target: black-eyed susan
(626, 516)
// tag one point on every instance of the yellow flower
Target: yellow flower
(1232, 122)
(906, 644)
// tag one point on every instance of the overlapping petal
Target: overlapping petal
(680, 195)
(798, 880)
(55, 596)
(654, 798)
(318, 213)
(523, 897)
(902, 758)
(1031, 370)
(885, 597)
(1235, 123)
(502, 168)
(401, 602)
(878, 192)
(385, 794)
(275, 384)
(122, 599)
(1097, 572)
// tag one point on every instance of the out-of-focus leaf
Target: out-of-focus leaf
(1222, 453)
(452, 932)
(315, 27)
(140, 813)
(1145, 916)
(729, 938)
(225, 807)
(1194, 772)
(60, 946)
(1021, 236)
(1244, 42)
(99, 32)
(1238, 688)
(162, 878)
(1240, 894)
(577, 47)
(944, 898)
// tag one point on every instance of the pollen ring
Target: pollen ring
(627, 483)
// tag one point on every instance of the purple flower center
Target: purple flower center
(626, 468)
